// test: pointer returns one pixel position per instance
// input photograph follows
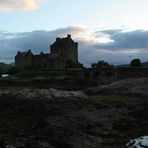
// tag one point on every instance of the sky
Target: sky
(112, 30)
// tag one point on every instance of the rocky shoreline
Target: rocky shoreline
(51, 118)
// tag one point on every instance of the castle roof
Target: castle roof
(63, 41)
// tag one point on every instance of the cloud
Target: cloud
(8, 5)
(126, 40)
(114, 46)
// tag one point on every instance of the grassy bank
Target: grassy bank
(25, 74)
(115, 98)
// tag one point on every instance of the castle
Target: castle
(61, 51)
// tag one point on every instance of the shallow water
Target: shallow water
(138, 142)
(4, 75)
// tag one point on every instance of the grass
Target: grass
(35, 73)
(117, 98)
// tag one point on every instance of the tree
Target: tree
(136, 63)
(101, 63)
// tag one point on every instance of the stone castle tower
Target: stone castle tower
(62, 50)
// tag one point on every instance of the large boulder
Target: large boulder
(132, 86)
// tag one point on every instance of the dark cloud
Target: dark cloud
(120, 48)
(126, 40)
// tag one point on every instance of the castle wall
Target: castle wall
(57, 61)
(61, 50)
(66, 48)
(131, 72)
(117, 73)
(41, 61)
(70, 52)
(24, 61)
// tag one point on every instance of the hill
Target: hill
(145, 64)
(4, 68)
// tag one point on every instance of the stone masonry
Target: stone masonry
(62, 50)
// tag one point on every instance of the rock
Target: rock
(27, 93)
(45, 145)
(51, 118)
(50, 94)
(132, 86)
(40, 78)
(10, 146)
(68, 94)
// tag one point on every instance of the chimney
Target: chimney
(68, 36)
